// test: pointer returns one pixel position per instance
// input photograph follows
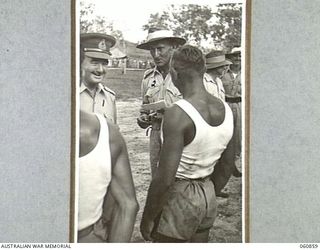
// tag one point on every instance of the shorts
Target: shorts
(96, 233)
(191, 208)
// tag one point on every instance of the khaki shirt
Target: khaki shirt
(156, 88)
(214, 86)
(232, 84)
(103, 102)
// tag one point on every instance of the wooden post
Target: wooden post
(124, 67)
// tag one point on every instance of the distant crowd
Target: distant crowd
(131, 63)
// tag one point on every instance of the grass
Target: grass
(127, 86)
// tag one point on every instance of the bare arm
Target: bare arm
(173, 131)
(224, 168)
(122, 190)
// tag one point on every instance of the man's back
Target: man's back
(210, 108)
(211, 130)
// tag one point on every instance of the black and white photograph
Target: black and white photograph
(160, 115)
(163, 121)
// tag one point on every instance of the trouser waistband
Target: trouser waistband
(206, 178)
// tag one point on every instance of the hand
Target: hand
(156, 116)
(143, 121)
(160, 111)
(146, 227)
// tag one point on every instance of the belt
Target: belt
(84, 232)
(196, 179)
(233, 99)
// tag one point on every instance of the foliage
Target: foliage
(198, 24)
(91, 23)
(227, 30)
(188, 21)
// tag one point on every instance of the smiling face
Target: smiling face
(161, 52)
(93, 71)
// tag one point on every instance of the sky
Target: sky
(129, 16)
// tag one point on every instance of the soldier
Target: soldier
(213, 87)
(181, 204)
(216, 64)
(232, 84)
(157, 85)
(94, 58)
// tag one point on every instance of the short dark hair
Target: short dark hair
(189, 57)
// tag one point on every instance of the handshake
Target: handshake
(144, 120)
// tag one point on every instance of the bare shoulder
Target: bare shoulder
(213, 100)
(117, 143)
(175, 118)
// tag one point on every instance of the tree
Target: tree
(188, 21)
(198, 24)
(92, 23)
(227, 30)
(86, 11)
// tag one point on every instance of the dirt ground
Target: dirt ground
(228, 224)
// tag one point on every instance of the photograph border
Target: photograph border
(73, 155)
(246, 149)
(246, 123)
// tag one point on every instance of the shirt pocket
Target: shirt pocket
(153, 94)
(172, 95)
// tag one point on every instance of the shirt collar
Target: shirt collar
(157, 72)
(83, 87)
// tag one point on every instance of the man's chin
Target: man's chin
(96, 79)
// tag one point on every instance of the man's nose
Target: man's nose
(156, 52)
(100, 67)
